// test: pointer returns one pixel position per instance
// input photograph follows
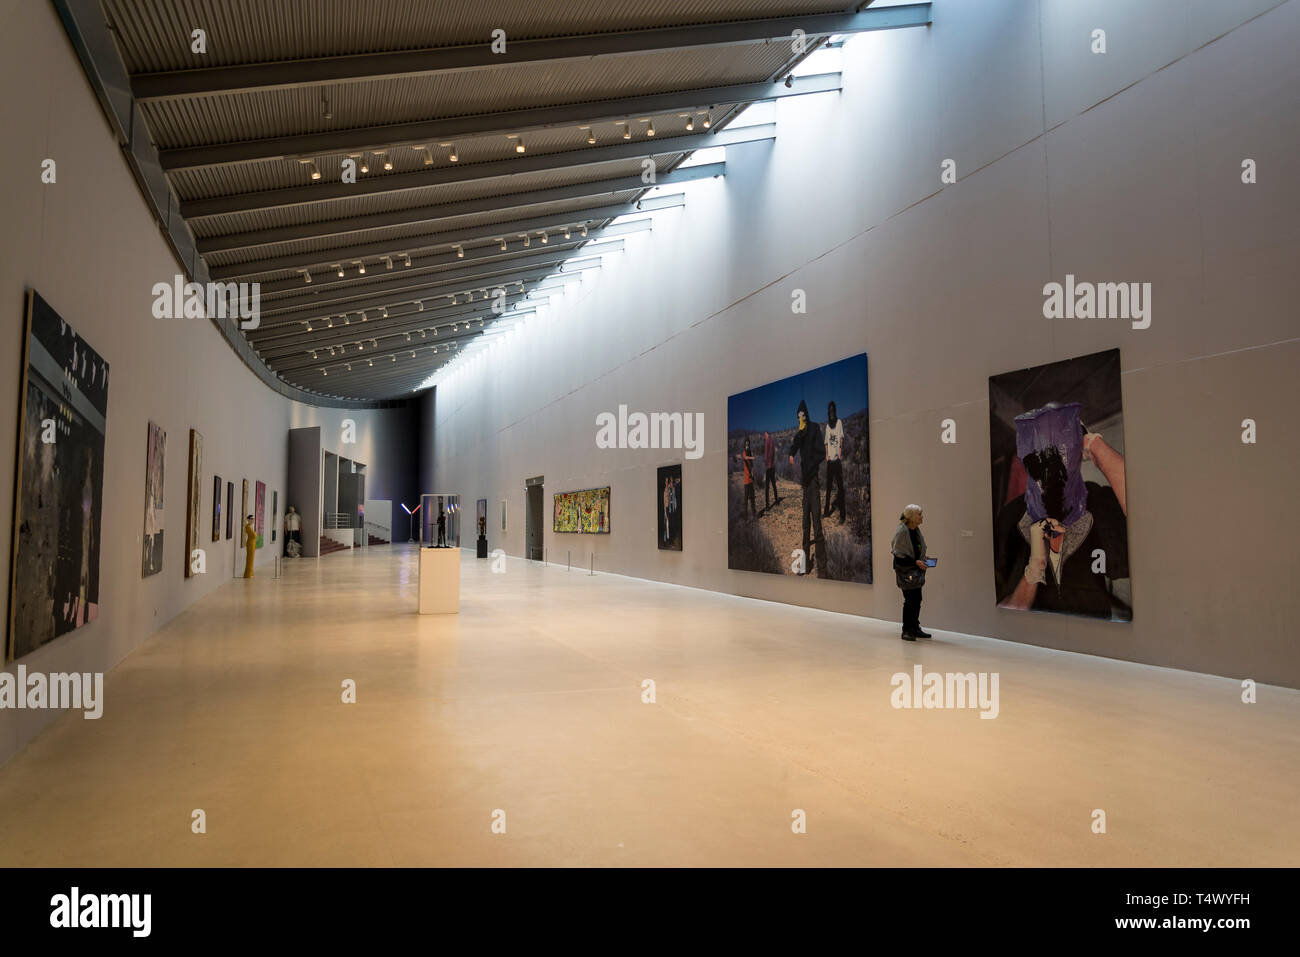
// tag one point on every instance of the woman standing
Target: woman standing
(250, 544)
(909, 569)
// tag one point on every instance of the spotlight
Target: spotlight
(591, 137)
(650, 129)
(566, 232)
(545, 239)
(503, 246)
(388, 163)
(306, 276)
(408, 337)
(460, 252)
(388, 262)
(421, 333)
(708, 121)
(362, 268)
(528, 240)
(412, 353)
(340, 269)
(584, 230)
(385, 311)
(519, 145)
(408, 258)
(789, 80)
(370, 362)
(690, 122)
(365, 164)
(627, 132)
(428, 155)
(323, 372)
(420, 306)
(346, 321)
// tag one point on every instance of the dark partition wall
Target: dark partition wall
(303, 486)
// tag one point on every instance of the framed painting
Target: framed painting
(59, 487)
(216, 508)
(194, 504)
(155, 458)
(585, 512)
(259, 511)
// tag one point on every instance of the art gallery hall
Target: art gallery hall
(689, 434)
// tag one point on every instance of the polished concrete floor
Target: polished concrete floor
(530, 702)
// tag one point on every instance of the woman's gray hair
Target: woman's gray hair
(909, 512)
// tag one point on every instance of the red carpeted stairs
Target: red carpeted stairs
(328, 545)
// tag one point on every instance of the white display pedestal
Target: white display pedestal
(439, 581)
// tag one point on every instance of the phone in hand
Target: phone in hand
(931, 562)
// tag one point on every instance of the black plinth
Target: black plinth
(482, 546)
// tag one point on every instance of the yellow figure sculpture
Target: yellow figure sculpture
(250, 544)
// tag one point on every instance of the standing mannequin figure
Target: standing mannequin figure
(250, 545)
(292, 529)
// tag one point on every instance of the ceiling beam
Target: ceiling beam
(474, 257)
(443, 211)
(420, 286)
(292, 354)
(254, 77)
(456, 173)
(473, 234)
(487, 124)
(400, 349)
(333, 333)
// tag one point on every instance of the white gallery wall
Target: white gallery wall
(88, 244)
(1117, 167)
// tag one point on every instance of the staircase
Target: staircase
(376, 540)
(328, 545)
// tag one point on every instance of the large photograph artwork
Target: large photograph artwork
(1060, 503)
(799, 475)
(54, 580)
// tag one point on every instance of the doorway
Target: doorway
(533, 528)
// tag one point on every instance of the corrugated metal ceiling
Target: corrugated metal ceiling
(227, 118)
(154, 35)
